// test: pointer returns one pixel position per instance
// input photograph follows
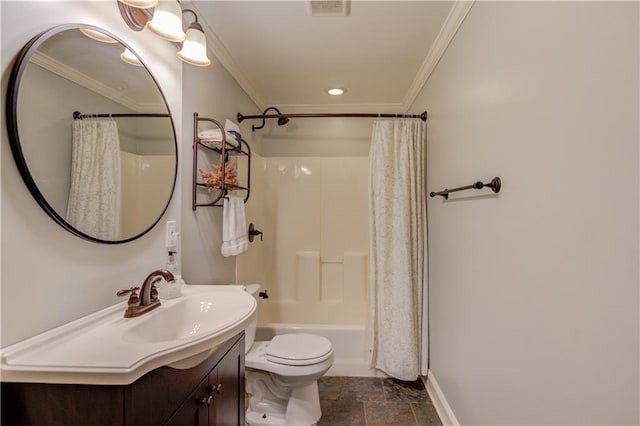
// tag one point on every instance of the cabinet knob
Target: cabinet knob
(213, 390)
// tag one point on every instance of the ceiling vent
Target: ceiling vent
(324, 8)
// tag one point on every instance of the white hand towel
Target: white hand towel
(234, 228)
(210, 134)
(234, 129)
(230, 126)
(213, 138)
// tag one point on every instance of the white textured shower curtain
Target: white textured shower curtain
(398, 259)
(94, 194)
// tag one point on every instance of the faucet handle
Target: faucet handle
(133, 298)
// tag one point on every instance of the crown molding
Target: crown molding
(63, 70)
(449, 29)
(219, 50)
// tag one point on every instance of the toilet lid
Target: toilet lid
(299, 349)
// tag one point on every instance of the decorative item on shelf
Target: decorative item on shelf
(214, 179)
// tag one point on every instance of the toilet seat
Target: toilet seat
(299, 349)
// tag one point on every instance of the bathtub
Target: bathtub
(351, 356)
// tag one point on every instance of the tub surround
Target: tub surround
(106, 348)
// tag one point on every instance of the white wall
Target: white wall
(212, 93)
(49, 276)
(534, 292)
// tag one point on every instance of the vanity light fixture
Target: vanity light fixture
(194, 47)
(336, 91)
(97, 36)
(167, 21)
(128, 57)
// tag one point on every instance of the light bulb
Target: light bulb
(128, 57)
(140, 4)
(97, 35)
(194, 48)
(167, 21)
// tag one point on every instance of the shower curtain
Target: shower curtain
(398, 262)
(94, 194)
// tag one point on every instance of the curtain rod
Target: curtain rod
(284, 118)
(79, 116)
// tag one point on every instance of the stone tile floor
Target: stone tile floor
(374, 401)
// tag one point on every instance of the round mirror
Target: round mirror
(91, 133)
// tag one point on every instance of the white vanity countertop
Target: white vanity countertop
(102, 348)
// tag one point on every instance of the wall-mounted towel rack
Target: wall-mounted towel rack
(495, 185)
(225, 148)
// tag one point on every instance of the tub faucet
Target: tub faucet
(148, 299)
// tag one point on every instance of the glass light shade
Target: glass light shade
(140, 4)
(194, 48)
(128, 57)
(335, 91)
(167, 21)
(97, 35)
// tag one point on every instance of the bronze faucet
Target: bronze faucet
(148, 299)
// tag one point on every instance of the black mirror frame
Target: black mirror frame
(21, 62)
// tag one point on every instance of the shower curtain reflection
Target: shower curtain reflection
(94, 194)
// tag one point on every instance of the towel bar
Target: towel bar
(495, 186)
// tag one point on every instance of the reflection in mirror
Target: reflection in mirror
(107, 175)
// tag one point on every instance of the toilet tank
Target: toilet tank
(250, 331)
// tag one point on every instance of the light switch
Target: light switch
(171, 237)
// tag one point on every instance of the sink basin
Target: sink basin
(190, 317)
(106, 348)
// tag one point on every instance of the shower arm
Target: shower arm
(282, 119)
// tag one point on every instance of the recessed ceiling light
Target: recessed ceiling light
(336, 91)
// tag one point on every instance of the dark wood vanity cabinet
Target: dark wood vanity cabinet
(215, 401)
(211, 393)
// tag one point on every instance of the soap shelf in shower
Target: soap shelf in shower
(225, 151)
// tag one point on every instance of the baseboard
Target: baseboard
(440, 403)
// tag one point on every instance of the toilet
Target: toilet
(282, 376)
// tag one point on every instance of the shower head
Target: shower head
(282, 120)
